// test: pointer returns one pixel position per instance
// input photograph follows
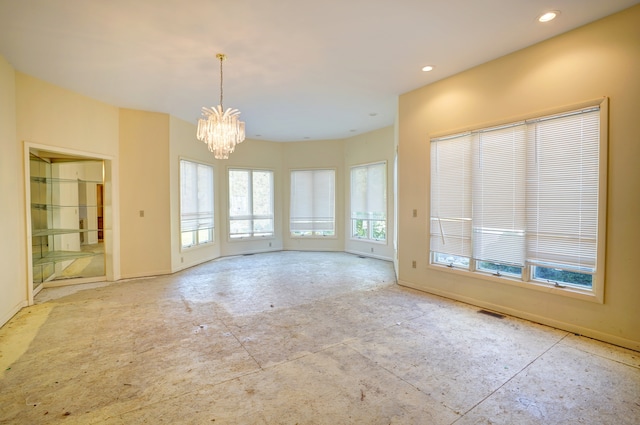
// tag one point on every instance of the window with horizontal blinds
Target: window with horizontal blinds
(312, 207)
(562, 190)
(369, 201)
(196, 203)
(250, 203)
(499, 218)
(451, 195)
(525, 194)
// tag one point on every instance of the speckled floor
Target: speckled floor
(298, 338)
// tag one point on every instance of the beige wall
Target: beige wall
(12, 211)
(145, 177)
(53, 116)
(600, 59)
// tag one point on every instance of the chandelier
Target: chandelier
(221, 130)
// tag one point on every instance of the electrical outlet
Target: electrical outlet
(413, 264)
(141, 213)
(182, 259)
(269, 244)
(371, 249)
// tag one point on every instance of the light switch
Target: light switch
(141, 213)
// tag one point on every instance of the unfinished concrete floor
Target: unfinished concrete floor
(298, 338)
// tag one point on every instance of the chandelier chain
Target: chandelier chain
(221, 59)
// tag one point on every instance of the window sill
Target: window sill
(313, 237)
(197, 247)
(384, 242)
(567, 291)
(251, 238)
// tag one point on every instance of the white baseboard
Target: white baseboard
(4, 319)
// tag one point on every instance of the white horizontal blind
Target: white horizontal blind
(369, 191)
(562, 190)
(312, 205)
(196, 196)
(499, 194)
(451, 195)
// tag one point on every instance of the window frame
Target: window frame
(370, 227)
(197, 243)
(251, 217)
(315, 234)
(593, 294)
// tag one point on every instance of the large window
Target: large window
(312, 209)
(369, 202)
(250, 203)
(522, 200)
(196, 203)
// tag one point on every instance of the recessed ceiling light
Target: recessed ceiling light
(548, 16)
(373, 114)
(428, 68)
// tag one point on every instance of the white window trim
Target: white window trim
(335, 194)
(213, 238)
(272, 236)
(596, 293)
(350, 218)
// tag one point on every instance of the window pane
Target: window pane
(188, 238)
(250, 203)
(369, 201)
(239, 204)
(262, 195)
(196, 203)
(312, 206)
(360, 228)
(379, 230)
(205, 235)
(562, 194)
(451, 260)
(563, 276)
(501, 269)
(263, 225)
(499, 194)
(240, 228)
(451, 186)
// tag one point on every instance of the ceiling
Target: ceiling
(297, 70)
